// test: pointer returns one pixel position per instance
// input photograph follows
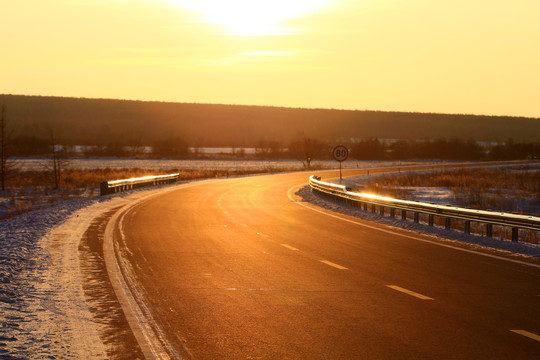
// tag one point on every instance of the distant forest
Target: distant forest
(170, 128)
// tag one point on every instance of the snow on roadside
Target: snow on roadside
(527, 203)
(29, 312)
(44, 313)
(521, 248)
(209, 164)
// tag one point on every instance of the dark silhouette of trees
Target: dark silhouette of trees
(262, 149)
(511, 150)
(369, 149)
(269, 149)
(30, 146)
(59, 161)
(399, 150)
(135, 148)
(7, 165)
(115, 148)
(306, 150)
(3, 155)
(173, 147)
(454, 149)
(87, 121)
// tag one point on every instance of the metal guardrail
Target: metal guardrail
(489, 218)
(111, 187)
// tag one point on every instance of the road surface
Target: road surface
(241, 269)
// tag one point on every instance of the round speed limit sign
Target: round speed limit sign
(340, 153)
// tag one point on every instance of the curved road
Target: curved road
(240, 269)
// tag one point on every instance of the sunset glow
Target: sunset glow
(252, 18)
(467, 57)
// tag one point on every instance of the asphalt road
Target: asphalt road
(238, 269)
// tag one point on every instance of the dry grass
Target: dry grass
(32, 190)
(91, 178)
(496, 189)
(523, 179)
(486, 189)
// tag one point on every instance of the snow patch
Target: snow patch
(521, 248)
(44, 312)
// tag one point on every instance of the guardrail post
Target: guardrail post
(489, 218)
(103, 188)
(515, 234)
(489, 230)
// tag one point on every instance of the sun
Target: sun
(252, 17)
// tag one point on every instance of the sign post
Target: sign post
(340, 154)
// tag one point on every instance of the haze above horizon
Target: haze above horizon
(461, 57)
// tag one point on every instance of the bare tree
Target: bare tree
(3, 147)
(7, 165)
(306, 150)
(58, 160)
(262, 149)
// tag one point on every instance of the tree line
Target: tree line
(79, 121)
(443, 149)
(302, 147)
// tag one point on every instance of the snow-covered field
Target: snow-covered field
(44, 314)
(22, 199)
(514, 201)
(443, 196)
(167, 164)
(37, 300)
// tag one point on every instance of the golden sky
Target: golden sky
(450, 56)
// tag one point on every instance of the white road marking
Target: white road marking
(137, 314)
(237, 289)
(380, 228)
(527, 334)
(289, 247)
(409, 292)
(333, 264)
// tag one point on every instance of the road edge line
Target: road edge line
(312, 208)
(148, 341)
(153, 345)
